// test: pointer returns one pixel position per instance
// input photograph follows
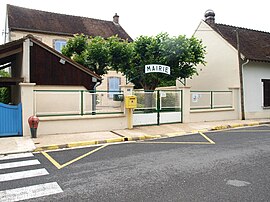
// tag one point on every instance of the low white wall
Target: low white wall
(218, 114)
(68, 124)
(213, 115)
(265, 114)
(80, 124)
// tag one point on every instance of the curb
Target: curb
(222, 127)
(145, 137)
(94, 142)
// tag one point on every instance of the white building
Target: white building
(236, 58)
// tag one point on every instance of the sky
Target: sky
(150, 17)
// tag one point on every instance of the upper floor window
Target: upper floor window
(59, 44)
(266, 92)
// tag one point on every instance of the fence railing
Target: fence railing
(211, 99)
(158, 107)
(75, 102)
(158, 101)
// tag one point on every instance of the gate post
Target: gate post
(27, 100)
(236, 100)
(185, 103)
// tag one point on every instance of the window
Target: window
(59, 44)
(113, 83)
(266, 92)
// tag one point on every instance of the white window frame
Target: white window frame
(62, 42)
(110, 94)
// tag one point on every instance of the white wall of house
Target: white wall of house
(221, 70)
(253, 73)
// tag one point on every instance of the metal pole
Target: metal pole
(181, 106)
(130, 118)
(158, 108)
(81, 103)
(211, 99)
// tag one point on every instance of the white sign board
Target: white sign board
(195, 97)
(157, 68)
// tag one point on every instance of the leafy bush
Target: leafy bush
(5, 96)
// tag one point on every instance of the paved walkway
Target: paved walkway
(46, 142)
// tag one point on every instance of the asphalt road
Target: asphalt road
(231, 165)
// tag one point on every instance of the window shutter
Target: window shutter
(266, 93)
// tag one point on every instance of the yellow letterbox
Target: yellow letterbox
(130, 101)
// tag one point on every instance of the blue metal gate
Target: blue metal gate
(10, 120)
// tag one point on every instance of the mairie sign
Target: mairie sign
(157, 68)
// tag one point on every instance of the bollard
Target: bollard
(33, 124)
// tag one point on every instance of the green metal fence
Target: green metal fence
(211, 99)
(75, 102)
(164, 105)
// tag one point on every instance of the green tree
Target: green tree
(182, 54)
(97, 53)
(4, 91)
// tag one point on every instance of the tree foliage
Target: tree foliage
(182, 54)
(4, 91)
(97, 53)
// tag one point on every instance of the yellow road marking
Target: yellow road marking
(203, 135)
(239, 131)
(57, 165)
(175, 142)
(54, 162)
(207, 138)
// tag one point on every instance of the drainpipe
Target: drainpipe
(5, 31)
(94, 103)
(242, 90)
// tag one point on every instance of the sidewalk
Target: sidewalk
(47, 142)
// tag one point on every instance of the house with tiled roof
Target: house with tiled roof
(50, 27)
(45, 83)
(55, 29)
(237, 58)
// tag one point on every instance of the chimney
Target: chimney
(116, 18)
(209, 17)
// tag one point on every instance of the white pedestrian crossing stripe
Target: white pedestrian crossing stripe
(23, 174)
(29, 192)
(15, 156)
(18, 164)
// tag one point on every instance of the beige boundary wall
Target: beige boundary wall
(218, 114)
(107, 122)
(81, 124)
(68, 124)
(204, 115)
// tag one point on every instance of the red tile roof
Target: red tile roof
(253, 44)
(31, 20)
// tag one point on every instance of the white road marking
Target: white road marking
(238, 183)
(19, 164)
(15, 156)
(29, 192)
(23, 174)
